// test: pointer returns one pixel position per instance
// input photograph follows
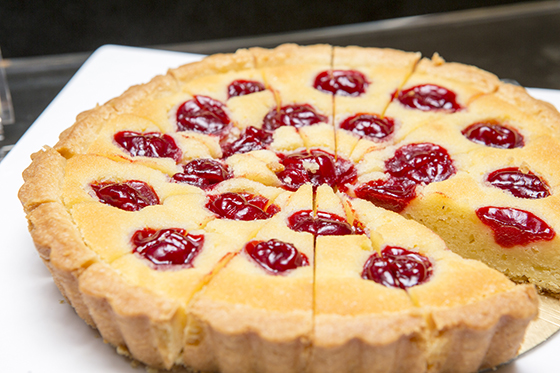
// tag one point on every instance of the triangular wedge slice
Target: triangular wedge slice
(385, 71)
(249, 307)
(290, 63)
(147, 300)
(437, 89)
(359, 324)
(469, 308)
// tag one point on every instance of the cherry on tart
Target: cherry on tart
(513, 227)
(131, 195)
(397, 267)
(494, 134)
(202, 114)
(392, 194)
(244, 87)
(203, 173)
(341, 82)
(167, 247)
(316, 167)
(429, 97)
(370, 126)
(149, 144)
(275, 256)
(421, 163)
(241, 206)
(322, 224)
(520, 184)
(294, 116)
(251, 138)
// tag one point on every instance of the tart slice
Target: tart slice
(301, 105)
(260, 302)
(135, 139)
(460, 289)
(244, 98)
(147, 289)
(92, 178)
(376, 74)
(359, 324)
(502, 230)
(437, 89)
(468, 307)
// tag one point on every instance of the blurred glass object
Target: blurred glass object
(7, 112)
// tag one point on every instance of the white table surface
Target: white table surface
(39, 332)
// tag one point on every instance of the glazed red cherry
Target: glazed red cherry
(241, 206)
(392, 194)
(203, 173)
(202, 114)
(244, 87)
(429, 97)
(150, 144)
(316, 167)
(292, 115)
(513, 227)
(276, 256)
(341, 82)
(421, 163)
(520, 184)
(166, 247)
(493, 134)
(131, 195)
(251, 139)
(322, 224)
(397, 267)
(369, 125)
(303, 167)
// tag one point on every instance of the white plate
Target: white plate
(41, 333)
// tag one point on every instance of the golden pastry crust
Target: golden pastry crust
(66, 259)
(232, 346)
(56, 237)
(471, 76)
(499, 320)
(47, 166)
(364, 353)
(292, 54)
(215, 64)
(517, 96)
(149, 327)
(208, 325)
(77, 138)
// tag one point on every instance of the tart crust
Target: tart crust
(418, 333)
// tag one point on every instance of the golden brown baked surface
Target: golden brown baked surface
(339, 137)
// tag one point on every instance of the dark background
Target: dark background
(44, 27)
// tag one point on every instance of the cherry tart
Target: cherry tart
(274, 211)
